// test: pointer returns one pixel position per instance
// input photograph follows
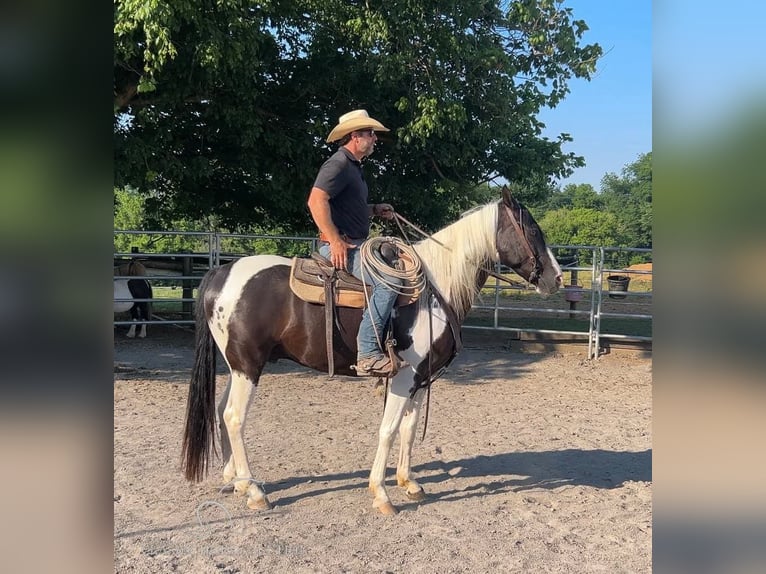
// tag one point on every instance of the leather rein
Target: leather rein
(533, 277)
(451, 318)
(525, 242)
(516, 225)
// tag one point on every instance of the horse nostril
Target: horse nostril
(559, 280)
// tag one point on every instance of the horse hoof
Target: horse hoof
(387, 509)
(418, 495)
(259, 504)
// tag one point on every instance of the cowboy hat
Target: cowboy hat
(352, 121)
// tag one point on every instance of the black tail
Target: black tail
(199, 432)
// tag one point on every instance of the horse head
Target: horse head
(521, 246)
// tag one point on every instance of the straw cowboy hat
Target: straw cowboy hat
(352, 121)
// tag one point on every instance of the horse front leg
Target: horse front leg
(396, 403)
(238, 468)
(407, 430)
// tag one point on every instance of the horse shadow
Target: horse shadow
(504, 472)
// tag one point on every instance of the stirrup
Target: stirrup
(380, 365)
(375, 366)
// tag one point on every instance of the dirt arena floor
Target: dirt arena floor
(532, 462)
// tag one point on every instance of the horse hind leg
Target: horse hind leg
(144, 312)
(133, 315)
(234, 414)
(229, 471)
(407, 429)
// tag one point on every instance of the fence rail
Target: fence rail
(597, 305)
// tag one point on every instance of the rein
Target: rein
(525, 242)
(519, 229)
(452, 319)
(401, 219)
(431, 291)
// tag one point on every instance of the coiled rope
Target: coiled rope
(411, 274)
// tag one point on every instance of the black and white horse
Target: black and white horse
(128, 294)
(247, 309)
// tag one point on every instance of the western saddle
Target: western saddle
(315, 280)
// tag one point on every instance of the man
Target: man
(338, 205)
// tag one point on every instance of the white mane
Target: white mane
(452, 263)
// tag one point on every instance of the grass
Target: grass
(512, 300)
(169, 308)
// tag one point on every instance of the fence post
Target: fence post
(187, 291)
(573, 281)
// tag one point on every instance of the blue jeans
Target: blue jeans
(381, 303)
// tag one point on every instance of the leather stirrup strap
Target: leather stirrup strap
(329, 313)
(390, 344)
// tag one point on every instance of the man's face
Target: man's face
(365, 141)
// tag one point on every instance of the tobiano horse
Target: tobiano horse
(130, 296)
(247, 309)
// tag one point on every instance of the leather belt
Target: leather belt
(344, 237)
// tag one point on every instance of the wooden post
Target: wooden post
(573, 304)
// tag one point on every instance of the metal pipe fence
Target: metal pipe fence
(598, 305)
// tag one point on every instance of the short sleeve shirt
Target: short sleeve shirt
(342, 179)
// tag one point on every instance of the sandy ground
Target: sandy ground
(531, 463)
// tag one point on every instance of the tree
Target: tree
(581, 226)
(222, 107)
(573, 195)
(629, 197)
(128, 209)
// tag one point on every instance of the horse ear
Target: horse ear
(508, 199)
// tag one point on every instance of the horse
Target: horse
(248, 311)
(132, 268)
(125, 290)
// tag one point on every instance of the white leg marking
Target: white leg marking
(401, 413)
(132, 331)
(234, 416)
(396, 403)
(229, 471)
(407, 430)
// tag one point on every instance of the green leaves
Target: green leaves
(230, 102)
(621, 215)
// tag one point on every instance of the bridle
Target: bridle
(534, 277)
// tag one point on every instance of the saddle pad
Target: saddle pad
(307, 281)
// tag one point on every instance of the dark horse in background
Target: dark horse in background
(128, 295)
(247, 309)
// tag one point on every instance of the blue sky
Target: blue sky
(610, 116)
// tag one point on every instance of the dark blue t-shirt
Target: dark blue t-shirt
(341, 177)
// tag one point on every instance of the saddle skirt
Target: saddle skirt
(309, 277)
